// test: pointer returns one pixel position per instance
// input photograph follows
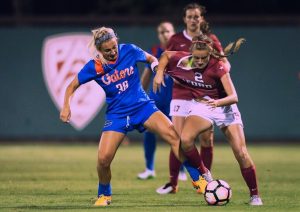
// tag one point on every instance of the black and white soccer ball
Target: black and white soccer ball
(217, 192)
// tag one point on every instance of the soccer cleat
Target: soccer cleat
(167, 189)
(182, 176)
(255, 200)
(103, 201)
(200, 185)
(207, 176)
(147, 174)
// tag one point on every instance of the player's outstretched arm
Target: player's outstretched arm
(159, 76)
(65, 113)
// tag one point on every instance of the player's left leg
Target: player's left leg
(108, 145)
(235, 135)
(149, 153)
(160, 124)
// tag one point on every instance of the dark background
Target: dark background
(150, 12)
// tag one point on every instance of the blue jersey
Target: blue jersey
(120, 80)
(163, 98)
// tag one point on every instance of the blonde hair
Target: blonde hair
(203, 42)
(100, 35)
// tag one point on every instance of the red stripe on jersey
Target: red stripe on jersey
(154, 50)
(99, 67)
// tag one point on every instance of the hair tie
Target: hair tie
(103, 38)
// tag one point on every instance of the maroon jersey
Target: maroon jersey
(181, 42)
(198, 82)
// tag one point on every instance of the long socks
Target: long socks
(249, 175)
(104, 189)
(206, 154)
(174, 166)
(149, 149)
(195, 159)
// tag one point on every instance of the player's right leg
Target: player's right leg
(193, 126)
(108, 145)
(174, 166)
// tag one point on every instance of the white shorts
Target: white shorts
(179, 107)
(221, 116)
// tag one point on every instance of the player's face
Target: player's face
(109, 49)
(165, 31)
(200, 58)
(193, 19)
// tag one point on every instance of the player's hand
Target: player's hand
(158, 81)
(65, 114)
(213, 103)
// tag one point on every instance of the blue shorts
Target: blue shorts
(126, 123)
(164, 108)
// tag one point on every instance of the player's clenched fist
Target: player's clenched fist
(65, 114)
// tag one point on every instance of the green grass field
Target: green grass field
(63, 178)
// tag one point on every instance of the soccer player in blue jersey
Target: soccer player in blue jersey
(114, 68)
(162, 99)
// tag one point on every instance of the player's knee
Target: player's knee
(171, 134)
(187, 141)
(243, 155)
(206, 143)
(103, 161)
(206, 139)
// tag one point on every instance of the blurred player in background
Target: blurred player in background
(162, 100)
(193, 17)
(114, 68)
(214, 101)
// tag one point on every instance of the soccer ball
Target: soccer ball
(217, 192)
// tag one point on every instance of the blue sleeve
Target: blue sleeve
(87, 73)
(139, 54)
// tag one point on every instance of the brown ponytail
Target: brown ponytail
(203, 42)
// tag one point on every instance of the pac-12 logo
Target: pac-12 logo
(63, 57)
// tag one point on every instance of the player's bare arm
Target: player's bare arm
(159, 77)
(65, 113)
(151, 59)
(229, 88)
